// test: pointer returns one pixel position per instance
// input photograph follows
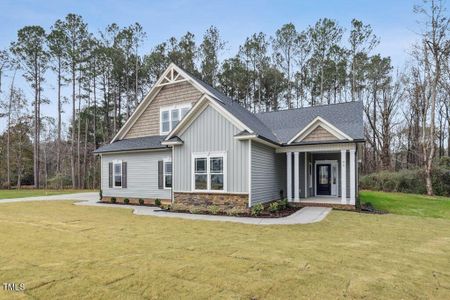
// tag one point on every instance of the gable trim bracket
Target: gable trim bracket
(319, 121)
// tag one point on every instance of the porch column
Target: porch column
(343, 177)
(352, 176)
(296, 177)
(289, 175)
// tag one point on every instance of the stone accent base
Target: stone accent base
(147, 201)
(223, 200)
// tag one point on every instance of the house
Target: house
(188, 143)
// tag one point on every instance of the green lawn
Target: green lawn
(8, 194)
(60, 250)
(408, 204)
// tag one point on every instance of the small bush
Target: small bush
(100, 194)
(257, 209)
(141, 201)
(157, 202)
(214, 209)
(236, 211)
(273, 207)
(126, 201)
(196, 210)
(283, 204)
(113, 200)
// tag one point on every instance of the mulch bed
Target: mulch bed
(265, 214)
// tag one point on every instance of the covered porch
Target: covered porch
(321, 174)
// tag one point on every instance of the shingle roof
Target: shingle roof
(241, 113)
(141, 143)
(347, 117)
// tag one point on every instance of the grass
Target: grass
(9, 194)
(60, 250)
(409, 204)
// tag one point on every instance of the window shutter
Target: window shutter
(110, 172)
(160, 174)
(124, 174)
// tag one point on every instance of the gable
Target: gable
(318, 134)
(148, 122)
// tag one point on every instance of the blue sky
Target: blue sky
(393, 21)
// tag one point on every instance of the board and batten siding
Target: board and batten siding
(210, 131)
(142, 175)
(268, 174)
(148, 123)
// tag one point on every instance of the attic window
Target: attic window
(171, 116)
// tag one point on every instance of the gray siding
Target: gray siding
(268, 174)
(142, 171)
(212, 132)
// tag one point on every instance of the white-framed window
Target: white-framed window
(170, 116)
(167, 173)
(310, 173)
(209, 172)
(117, 174)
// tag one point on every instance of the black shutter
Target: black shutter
(110, 172)
(160, 174)
(124, 174)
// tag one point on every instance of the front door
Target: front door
(323, 179)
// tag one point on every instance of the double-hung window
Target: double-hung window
(209, 171)
(167, 174)
(171, 116)
(117, 175)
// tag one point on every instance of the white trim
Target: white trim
(317, 148)
(289, 175)
(169, 109)
(343, 176)
(352, 177)
(296, 177)
(167, 160)
(249, 173)
(114, 163)
(319, 121)
(331, 162)
(174, 143)
(254, 137)
(208, 173)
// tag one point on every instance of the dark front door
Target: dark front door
(323, 179)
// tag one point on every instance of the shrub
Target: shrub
(179, 207)
(100, 193)
(236, 211)
(113, 200)
(214, 209)
(157, 202)
(283, 204)
(126, 200)
(273, 207)
(196, 210)
(257, 209)
(141, 201)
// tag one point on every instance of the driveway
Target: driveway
(305, 215)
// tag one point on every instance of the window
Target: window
(171, 116)
(167, 174)
(310, 175)
(117, 167)
(209, 171)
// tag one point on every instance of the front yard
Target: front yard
(60, 250)
(22, 193)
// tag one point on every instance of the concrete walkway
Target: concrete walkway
(305, 215)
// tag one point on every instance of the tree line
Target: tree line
(104, 75)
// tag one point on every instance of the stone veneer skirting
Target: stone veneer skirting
(223, 200)
(147, 201)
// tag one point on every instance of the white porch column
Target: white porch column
(289, 175)
(296, 177)
(343, 177)
(352, 176)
